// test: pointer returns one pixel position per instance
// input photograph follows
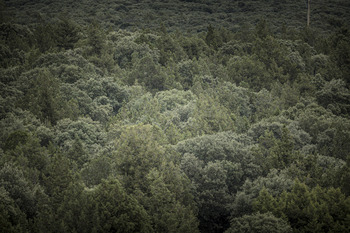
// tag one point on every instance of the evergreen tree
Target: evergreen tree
(117, 211)
(262, 223)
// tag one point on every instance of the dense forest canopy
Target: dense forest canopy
(184, 15)
(174, 116)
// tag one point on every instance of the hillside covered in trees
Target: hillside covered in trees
(174, 116)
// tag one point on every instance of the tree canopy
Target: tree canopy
(174, 116)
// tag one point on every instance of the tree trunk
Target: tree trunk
(308, 13)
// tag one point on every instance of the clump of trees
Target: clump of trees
(242, 130)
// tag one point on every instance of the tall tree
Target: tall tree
(117, 211)
(259, 223)
(308, 13)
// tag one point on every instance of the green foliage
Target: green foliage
(213, 198)
(14, 139)
(215, 38)
(343, 175)
(96, 170)
(247, 69)
(30, 157)
(275, 183)
(328, 132)
(308, 209)
(12, 219)
(138, 151)
(149, 73)
(141, 109)
(126, 49)
(66, 34)
(117, 211)
(340, 51)
(144, 165)
(194, 47)
(43, 99)
(57, 179)
(167, 212)
(169, 49)
(335, 96)
(217, 165)
(44, 37)
(266, 222)
(174, 116)
(262, 29)
(83, 131)
(61, 35)
(281, 153)
(96, 39)
(211, 117)
(76, 212)
(18, 188)
(317, 170)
